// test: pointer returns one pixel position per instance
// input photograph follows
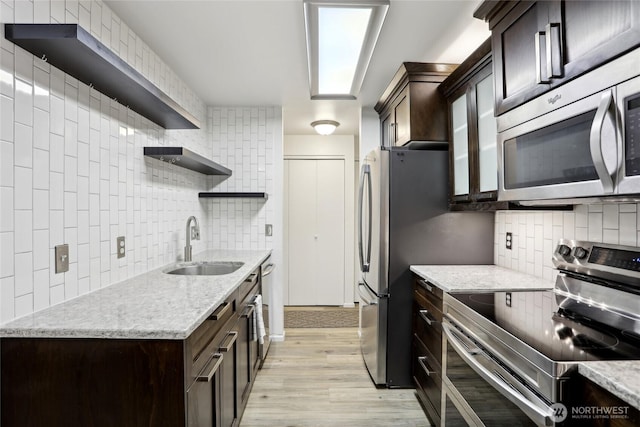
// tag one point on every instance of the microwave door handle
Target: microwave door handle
(366, 173)
(538, 414)
(595, 141)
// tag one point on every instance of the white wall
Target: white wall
(331, 146)
(536, 233)
(72, 170)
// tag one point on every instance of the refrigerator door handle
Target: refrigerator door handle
(365, 295)
(365, 176)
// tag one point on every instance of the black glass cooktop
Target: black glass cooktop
(554, 327)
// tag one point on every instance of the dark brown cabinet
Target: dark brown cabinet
(539, 45)
(427, 346)
(203, 381)
(411, 109)
(473, 157)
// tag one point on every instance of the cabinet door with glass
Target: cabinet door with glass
(473, 145)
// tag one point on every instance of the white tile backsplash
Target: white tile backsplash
(606, 223)
(72, 169)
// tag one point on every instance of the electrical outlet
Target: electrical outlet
(508, 299)
(268, 229)
(62, 258)
(121, 248)
(509, 240)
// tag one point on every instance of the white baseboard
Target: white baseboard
(278, 338)
(349, 305)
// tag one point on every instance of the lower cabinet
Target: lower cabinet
(203, 381)
(427, 347)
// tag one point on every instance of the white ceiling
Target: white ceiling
(241, 53)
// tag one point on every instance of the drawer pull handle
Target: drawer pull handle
(422, 361)
(425, 285)
(215, 361)
(249, 311)
(229, 345)
(425, 316)
(220, 311)
(252, 277)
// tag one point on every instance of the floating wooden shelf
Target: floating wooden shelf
(185, 158)
(234, 195)
(76, 52)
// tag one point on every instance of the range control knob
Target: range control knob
(564, 250)
(580, 253)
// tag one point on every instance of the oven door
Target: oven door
(567, 153)
(482, 390)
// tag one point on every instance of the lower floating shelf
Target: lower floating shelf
(264, 196)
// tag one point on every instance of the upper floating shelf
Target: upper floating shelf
(180, 156)
(76, 52)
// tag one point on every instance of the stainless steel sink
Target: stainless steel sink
(205, 268)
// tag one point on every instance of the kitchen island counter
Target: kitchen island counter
(153, 305)
(471, 278)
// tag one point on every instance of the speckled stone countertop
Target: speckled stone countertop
(622, 378)
(153, 305)
(470, 278)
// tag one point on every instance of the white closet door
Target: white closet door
(302, 219)
(316, 231)
(330, 233)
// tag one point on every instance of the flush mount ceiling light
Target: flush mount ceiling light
(341, 36)
(325, 127)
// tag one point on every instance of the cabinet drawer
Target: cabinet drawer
(428, 291)
(202, 343)
(428, 380)
(247, 287)
(427, 328)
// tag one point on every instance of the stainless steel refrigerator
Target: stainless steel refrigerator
(403, 220)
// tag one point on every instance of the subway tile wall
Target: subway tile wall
(243, 139)
(72, 169)
(536, 233)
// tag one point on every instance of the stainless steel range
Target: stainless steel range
(510, 357)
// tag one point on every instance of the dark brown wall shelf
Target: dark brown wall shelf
(76, 52)
(234, 195)
(185, 158)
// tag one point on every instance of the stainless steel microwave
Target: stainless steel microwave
(581, 140)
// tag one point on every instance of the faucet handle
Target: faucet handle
(195, 233)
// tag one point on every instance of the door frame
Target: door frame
(333, 147)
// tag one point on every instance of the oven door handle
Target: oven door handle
(540, 415)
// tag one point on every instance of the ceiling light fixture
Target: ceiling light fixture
(341, 36)
(325, 127)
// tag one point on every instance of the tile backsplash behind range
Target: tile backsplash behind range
(536, 233)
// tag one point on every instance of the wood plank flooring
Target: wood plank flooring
(317, 377)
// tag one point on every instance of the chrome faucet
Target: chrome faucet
(192, 233)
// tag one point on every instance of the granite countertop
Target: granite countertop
(470, 278)
(622, 378)
(153, 305)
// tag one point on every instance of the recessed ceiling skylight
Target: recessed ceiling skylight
(341, 36)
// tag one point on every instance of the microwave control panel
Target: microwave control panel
(632, 135)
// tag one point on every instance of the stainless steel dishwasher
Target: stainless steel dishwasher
(267, 288)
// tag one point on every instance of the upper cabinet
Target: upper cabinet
(472, 128)
(411, 109)
(539, 45)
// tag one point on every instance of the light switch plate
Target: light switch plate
(120, 245)
(62, 258)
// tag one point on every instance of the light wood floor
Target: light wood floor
(316, 377)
